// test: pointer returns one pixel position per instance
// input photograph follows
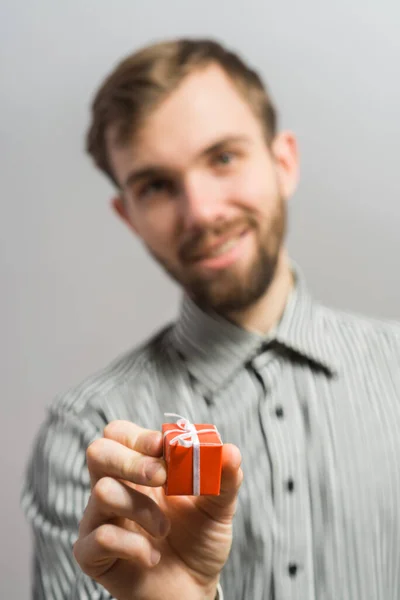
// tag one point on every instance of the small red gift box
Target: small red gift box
(193, 454)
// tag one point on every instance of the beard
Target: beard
(230, 290)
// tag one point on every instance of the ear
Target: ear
(284, 150)
(119, 207)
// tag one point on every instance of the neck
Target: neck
(263, 315)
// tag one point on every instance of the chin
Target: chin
(233, 289)
(225, 298)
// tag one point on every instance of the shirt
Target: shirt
(314, 407)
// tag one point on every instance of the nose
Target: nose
(202, 202)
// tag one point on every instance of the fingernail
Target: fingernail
(157, 438)
(153, 442)
(155, 557)
(152, 469)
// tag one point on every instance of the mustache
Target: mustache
(199, 241)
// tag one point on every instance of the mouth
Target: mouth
(223, 253)
(224, 244)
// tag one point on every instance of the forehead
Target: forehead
(206, 107)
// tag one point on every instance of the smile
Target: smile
(223, 255)
(223, 247)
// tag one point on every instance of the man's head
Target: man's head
(187, 133)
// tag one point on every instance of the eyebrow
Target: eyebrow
(151, 171)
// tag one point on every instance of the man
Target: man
(310, 396)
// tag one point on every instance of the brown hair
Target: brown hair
(144, 79)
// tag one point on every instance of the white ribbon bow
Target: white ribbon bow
(189, 437)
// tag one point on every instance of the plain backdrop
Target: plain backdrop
(76, 288)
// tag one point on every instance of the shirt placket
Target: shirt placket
(283, 425)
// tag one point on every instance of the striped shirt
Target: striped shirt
(314, 407)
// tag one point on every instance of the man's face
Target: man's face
(205, 193)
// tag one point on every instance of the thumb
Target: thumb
(223, 506)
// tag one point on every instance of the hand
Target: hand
(140, 544)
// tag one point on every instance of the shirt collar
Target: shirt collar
(214, 348)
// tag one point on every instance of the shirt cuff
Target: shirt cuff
(220, 595)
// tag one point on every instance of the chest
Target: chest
(318, 451)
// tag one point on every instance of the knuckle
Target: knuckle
(93, 451)
(103, 489)
(105, 536)
(112, 429)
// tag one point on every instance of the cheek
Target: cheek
(158, 229)
(255, 190)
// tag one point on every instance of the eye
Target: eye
(153, 187)
(224, 158)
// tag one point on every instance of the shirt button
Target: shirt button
(292, 568)
(279, 412)
(290, 485)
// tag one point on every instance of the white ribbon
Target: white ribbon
(188, 430)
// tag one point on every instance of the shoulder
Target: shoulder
(361, 334)
(125, 389)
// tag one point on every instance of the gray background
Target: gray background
(77, 289)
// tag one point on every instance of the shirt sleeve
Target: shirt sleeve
(55, 493)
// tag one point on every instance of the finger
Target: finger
(97, 552)
(107, 458)
(134, 437)
(224, 505)
(111, 498)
